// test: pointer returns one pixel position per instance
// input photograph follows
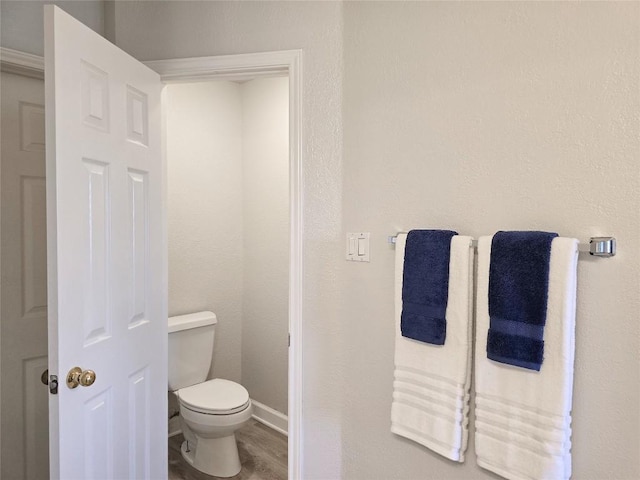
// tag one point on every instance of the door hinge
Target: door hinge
(289, 341)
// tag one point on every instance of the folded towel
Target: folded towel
(518, 284)
(431, 388)
(425, 285)
(523, 417)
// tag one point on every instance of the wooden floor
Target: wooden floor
(263, 454)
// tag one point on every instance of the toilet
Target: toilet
(211, 410)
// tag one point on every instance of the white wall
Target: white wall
(486, 116)
(477, 116)
(265, 293)
(204, 158)
(156, 30)
(21, 21)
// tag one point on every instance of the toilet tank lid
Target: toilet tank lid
(191, 320)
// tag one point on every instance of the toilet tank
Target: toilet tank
(190, 348)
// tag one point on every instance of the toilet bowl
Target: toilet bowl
(211, 410)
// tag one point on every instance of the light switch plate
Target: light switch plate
(358, 247)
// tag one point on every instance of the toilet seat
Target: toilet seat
(215, 397)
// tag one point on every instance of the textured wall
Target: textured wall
(475, 116)
(21, 21)
(486, 116)
(265, 292)
(156, 30)
(204, 162)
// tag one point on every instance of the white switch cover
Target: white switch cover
(358, 247)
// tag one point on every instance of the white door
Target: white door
(106, 257)
(23, 318)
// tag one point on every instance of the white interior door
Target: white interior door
(106, 257)
(23, 318)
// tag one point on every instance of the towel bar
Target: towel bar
(597, 246)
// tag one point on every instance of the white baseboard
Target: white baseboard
(174, 426)
(270, 417)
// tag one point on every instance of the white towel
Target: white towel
(431, 388)
(523, 417)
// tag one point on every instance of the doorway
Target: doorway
(227, 148)
(251, 66)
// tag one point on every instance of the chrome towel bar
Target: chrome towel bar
(597, 246)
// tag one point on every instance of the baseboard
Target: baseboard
(174, 426)
(270, 417)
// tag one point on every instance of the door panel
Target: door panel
(107, 250)
(23, 312)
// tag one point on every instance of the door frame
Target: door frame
(243, 67)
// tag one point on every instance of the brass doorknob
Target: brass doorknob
(77, 376)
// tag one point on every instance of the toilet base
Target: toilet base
(213, 456)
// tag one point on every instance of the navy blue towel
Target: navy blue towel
(425, 285)
(518, 292)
